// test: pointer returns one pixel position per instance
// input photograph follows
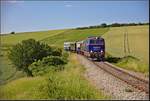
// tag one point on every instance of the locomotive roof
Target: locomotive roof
(94, 37)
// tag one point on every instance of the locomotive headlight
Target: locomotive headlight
(101, 51)
(91, 51)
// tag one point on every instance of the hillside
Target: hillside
(138, 41)
(11, 39)
(53, 37)
(27, 88)
(113, 38)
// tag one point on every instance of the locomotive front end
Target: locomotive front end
(97, 48)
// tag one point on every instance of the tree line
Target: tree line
(103, 25)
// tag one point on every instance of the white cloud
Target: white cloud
(14, 1)
(68, 5)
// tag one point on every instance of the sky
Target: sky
(27, 16)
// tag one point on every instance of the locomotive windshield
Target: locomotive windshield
(97, 41)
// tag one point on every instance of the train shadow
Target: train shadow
(112, 59)
(108, 59)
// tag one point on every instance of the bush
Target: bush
(53, 60)
(47, 64)
(56, 51)
(25, 53)
(12, 33)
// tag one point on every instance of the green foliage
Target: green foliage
(69, 87)
(24, 88)
(23, 54)
(112, 25)
(8, 70)
(66, 84)
(103, 25)
(12, 33)
(47, 64)
(70, 83)
(134, 64)
(56, 51)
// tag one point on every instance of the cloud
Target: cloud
(68, 5)
(14, 1)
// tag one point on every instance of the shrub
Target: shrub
(23, 54)
(53, 60)
(56, 51)
(12, 33)
(47, 64)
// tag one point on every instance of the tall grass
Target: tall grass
(24, 88)
(66, 84)
(139, 47)
(70, 83)
(134, 64)
(138, 41)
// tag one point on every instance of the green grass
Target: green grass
(23, 88)
(15, 38)
(138, 41)
(133, 64)
(8, 71)
(67, 84)
(139, 47)
(71, 78)
(74, 35)
(53, 37)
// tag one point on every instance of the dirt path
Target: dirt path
(109, 84)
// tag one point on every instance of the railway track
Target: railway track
(132, 80)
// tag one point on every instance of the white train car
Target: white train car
(67, 46)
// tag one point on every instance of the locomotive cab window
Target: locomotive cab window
(97, 42)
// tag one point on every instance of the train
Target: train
(92, 47)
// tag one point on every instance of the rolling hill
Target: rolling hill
(26, 87)
(138, 41)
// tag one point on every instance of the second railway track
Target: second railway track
(136, 82)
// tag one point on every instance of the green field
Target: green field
(138, 41)
(67, 84)
(54, 37)
(12, 39)
(74, 35)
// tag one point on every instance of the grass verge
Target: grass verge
(66, 84)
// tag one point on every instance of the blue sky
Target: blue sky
(25, 16)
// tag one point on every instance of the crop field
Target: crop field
(138, 37)
(18, 37)
(114, 38)
(54, 37)
(74, 35)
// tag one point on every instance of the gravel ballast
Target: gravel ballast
(108, 84)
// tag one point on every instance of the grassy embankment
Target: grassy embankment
(138, 41)
(67, 84)
(139, 47)
(29, 87)
(7, 70)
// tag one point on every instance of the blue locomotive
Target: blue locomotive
(92, 47)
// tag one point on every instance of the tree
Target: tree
(103, 25)
(25, 53)
(12, 33)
